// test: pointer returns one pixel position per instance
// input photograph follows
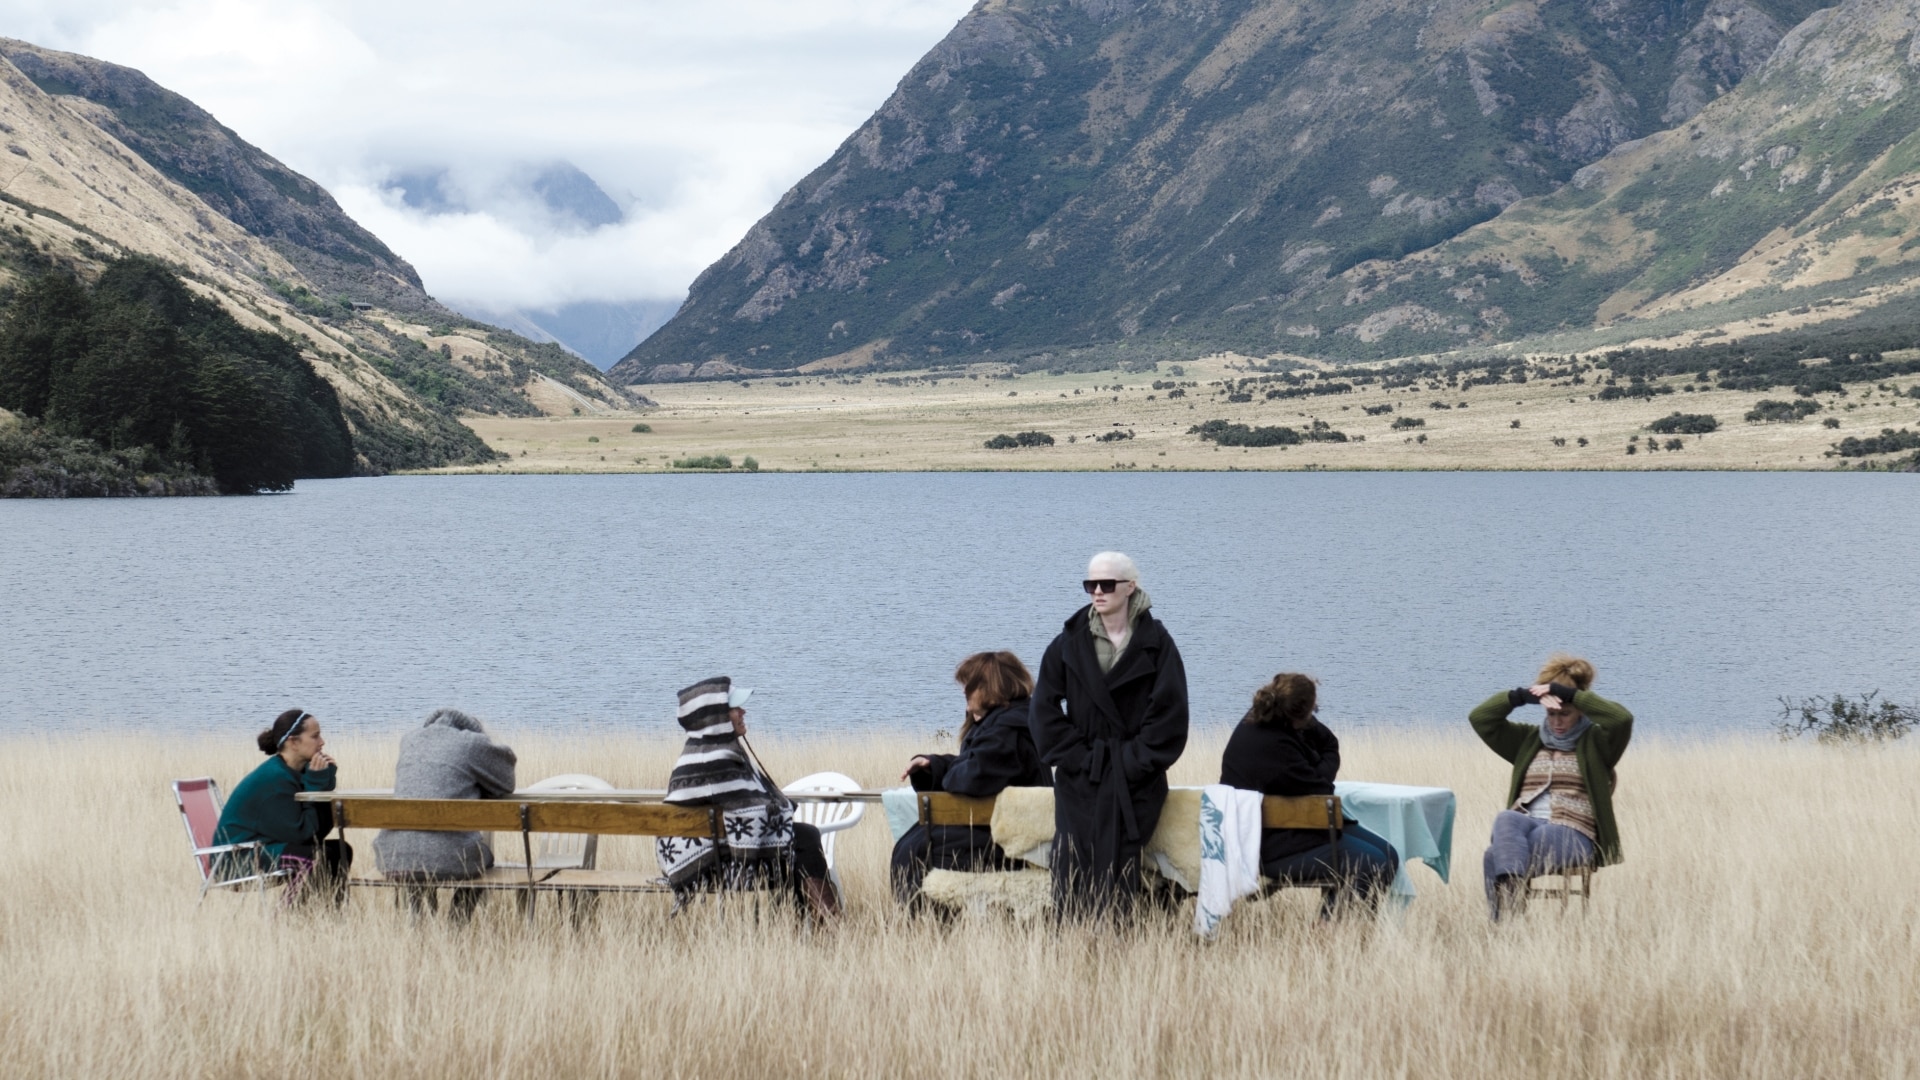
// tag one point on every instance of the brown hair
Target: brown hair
(1000, 678)
(1567, 671)
(1287, 701)
(275, 736)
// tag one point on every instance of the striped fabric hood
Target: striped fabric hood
(714, 770)
(713, 766)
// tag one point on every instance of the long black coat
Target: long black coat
(998, 753)
(1110, 738)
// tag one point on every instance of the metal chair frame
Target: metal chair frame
(206, 856)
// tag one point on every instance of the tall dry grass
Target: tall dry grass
(1764, 924)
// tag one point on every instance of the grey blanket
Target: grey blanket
(450, 757)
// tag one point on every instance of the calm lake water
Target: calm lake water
(558, 603)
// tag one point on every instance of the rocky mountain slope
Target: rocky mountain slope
(1793, 199)
(100, 161)
(1370, 178)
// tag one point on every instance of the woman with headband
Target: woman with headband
(292, 834)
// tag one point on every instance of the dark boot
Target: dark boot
(823, 901)
(1509, 896)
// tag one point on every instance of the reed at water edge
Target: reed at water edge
(1765, 923)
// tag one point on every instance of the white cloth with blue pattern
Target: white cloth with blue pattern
(1229, 853)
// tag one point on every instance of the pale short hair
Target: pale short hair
(1123, 566)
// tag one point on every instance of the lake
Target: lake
(566, 603)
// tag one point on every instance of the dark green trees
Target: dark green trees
(140, 361)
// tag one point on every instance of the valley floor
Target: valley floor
(942, 420)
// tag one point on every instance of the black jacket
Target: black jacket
(1283, 761)
(1110, 738)
(998, 754)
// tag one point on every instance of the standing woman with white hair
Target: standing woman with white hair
(1110, 716)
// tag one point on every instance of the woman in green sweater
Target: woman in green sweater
(1559, 808)
(292, 834)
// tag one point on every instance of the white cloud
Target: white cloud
(694, 117)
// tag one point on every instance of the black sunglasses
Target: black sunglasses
(1100, 585)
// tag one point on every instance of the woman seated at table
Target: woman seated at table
(996, 753)
(448, 757)
(764, 845)
(291, 834)
(1281, 748)
(1559, 808)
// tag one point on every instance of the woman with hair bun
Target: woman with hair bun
(996, 753)
(1559, 808)
(1281, 748)
(292, 834)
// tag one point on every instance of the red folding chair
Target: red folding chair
(199, 803)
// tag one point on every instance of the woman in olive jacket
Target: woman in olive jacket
(1559, 809)
(1110, 716)
(996, 753)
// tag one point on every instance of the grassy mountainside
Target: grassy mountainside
(268, 245)
(1057, 174)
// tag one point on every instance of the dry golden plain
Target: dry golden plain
(914, 421)
(1764, 924)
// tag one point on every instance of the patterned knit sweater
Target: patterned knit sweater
(1556, 774)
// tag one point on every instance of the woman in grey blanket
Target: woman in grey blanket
(449, 757)
(763, 842)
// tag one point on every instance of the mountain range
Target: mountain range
(100, 161)
(1166, 178)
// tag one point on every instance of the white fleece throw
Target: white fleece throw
(1229, 854)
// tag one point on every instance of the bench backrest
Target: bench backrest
(1300, 812)
(1276, 811)
(507, 815)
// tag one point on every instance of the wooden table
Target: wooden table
(619, 795)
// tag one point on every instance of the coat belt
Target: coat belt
(1103, 770)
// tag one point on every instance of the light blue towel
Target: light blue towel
(902, 807)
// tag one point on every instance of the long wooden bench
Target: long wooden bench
(1276, 812)
(526, 818)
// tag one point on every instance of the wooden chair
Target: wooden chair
(200, 803)
(1304, 812)
(1568, 876)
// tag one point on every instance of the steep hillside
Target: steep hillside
(294, 215)
(1795, 198)
(73, 194)
(1179, 171)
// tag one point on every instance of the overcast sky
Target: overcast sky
(694, 117)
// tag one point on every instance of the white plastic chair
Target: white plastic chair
(828, 817)
(561, 851)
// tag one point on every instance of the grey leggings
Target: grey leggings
(1523, 846)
